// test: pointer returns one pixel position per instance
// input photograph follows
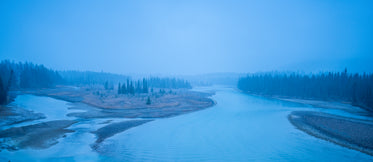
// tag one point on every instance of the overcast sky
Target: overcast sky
(189, 37)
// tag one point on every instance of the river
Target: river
(239, 127)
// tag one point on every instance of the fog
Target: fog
(190, 37)
(192, 80)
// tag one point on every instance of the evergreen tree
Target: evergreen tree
(119, 89)
(124, 89)
(106, 86)
(3, 93)
(131, 88)
(145, 86)
(148, 101)
(138, 87)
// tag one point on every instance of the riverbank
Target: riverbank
(36, 136)
(92, 104)
(328, 104)
(100, 103)
(351, 133)
(354, 133)
(10, 115)
(112, 129)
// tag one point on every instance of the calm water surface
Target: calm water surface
(239, 128)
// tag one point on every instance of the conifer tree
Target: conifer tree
(3, 94)
(124, 89)
(119, 89)
(148, 101)
(145, 86)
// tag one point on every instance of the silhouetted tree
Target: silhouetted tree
(144, 86)
(124, 89)
(138, 87)
(106, 85)
(148, 101)
(3, 93)
(131, 88)
(119, 89)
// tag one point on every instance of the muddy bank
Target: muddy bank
(114, 128)
(330, 105)
(10, 115)
(141, 112)
(106, 105)
(347, 132)
(37, 136)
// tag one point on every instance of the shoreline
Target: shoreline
(112, 129)
(11, 115)
(326, 126)
(36, 136)
(128, 106)
(319, 103)
(347, 132)
(46, 133)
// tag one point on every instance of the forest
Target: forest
(142, 86)
(16, 76)
(335, 86)
(72, 77)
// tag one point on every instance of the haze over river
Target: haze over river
(240, 127)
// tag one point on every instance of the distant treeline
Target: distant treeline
(25, 75)
(142, 86)
(354, 88)
(171, 83)
(109, 79)
(89, 77)
(28, 75)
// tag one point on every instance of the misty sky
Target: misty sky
(189, 37)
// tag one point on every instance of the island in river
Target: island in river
(93, 103)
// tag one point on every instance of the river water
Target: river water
(239, 128)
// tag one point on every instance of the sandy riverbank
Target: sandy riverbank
(37, 136)
(114, 128)
(329, 105)
(347, 132)
(10, 115)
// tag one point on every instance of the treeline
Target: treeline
(14, 76)
(171, 83)
(89, 77)
(354, 88)
(28, 75)
(131, 87)
(143, 85)
(4, 88)
(25, 75)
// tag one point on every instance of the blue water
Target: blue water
(239, 128)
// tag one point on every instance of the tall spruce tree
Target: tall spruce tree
(119, 89)
(3, 93)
